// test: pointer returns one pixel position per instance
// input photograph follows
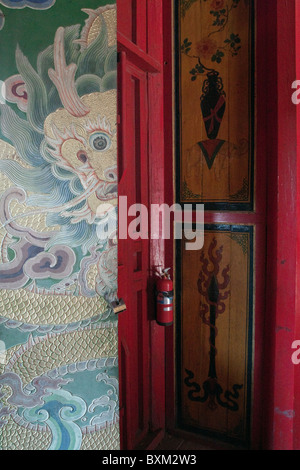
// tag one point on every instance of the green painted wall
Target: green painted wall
(58, 262)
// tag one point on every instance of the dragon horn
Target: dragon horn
(63, 78)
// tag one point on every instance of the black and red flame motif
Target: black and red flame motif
(212, 286)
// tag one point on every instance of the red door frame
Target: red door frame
(276, 393)
(257, 218)
(140, 39)
(282, 414)
(276, 423)
(297, 287)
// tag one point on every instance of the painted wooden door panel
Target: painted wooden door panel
(134, 259)
(221, 286)
(217, 320)
(215, 103)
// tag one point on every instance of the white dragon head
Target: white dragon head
(82, 135)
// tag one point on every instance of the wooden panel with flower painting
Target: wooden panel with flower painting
(215, 330)
(214, 103)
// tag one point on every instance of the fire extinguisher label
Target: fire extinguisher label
(164, 302)
(165, 298)
(161, 299)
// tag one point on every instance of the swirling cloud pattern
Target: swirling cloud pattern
(57, 263)
(36, 4)
(59, 372)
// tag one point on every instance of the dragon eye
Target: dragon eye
(100, 141)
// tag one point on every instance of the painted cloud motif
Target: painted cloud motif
(58, 251)
(36, 4)
(66, 165)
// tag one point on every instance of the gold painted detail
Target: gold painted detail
(91, 276)
(185, 5)
(94, 24)
(16, 437)
(66, 348)
(242, 240)
(242, 194)
(105, 439)
(28, 307)
(187, 193)
(8, 151)
(37, 219)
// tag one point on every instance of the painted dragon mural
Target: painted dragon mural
(58, 241)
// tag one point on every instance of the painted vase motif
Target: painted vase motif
(213, 104)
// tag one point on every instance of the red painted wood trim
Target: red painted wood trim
(156, 184)
(142, 279)
(169, 199)
(122, 147)
(122, 281)
(256, 218)
(141, 26)
(138, 56)
(287, 231)
(297, 326)
(282, 227)
(269, 33)
(146, 55)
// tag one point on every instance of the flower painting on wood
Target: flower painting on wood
(215, 85)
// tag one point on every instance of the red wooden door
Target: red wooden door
(141, 399)
(220, 296)
(134, 258)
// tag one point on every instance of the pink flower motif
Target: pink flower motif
(206, 48)
(14, 91)
(217, 4)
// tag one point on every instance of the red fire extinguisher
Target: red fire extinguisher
(164, 299)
